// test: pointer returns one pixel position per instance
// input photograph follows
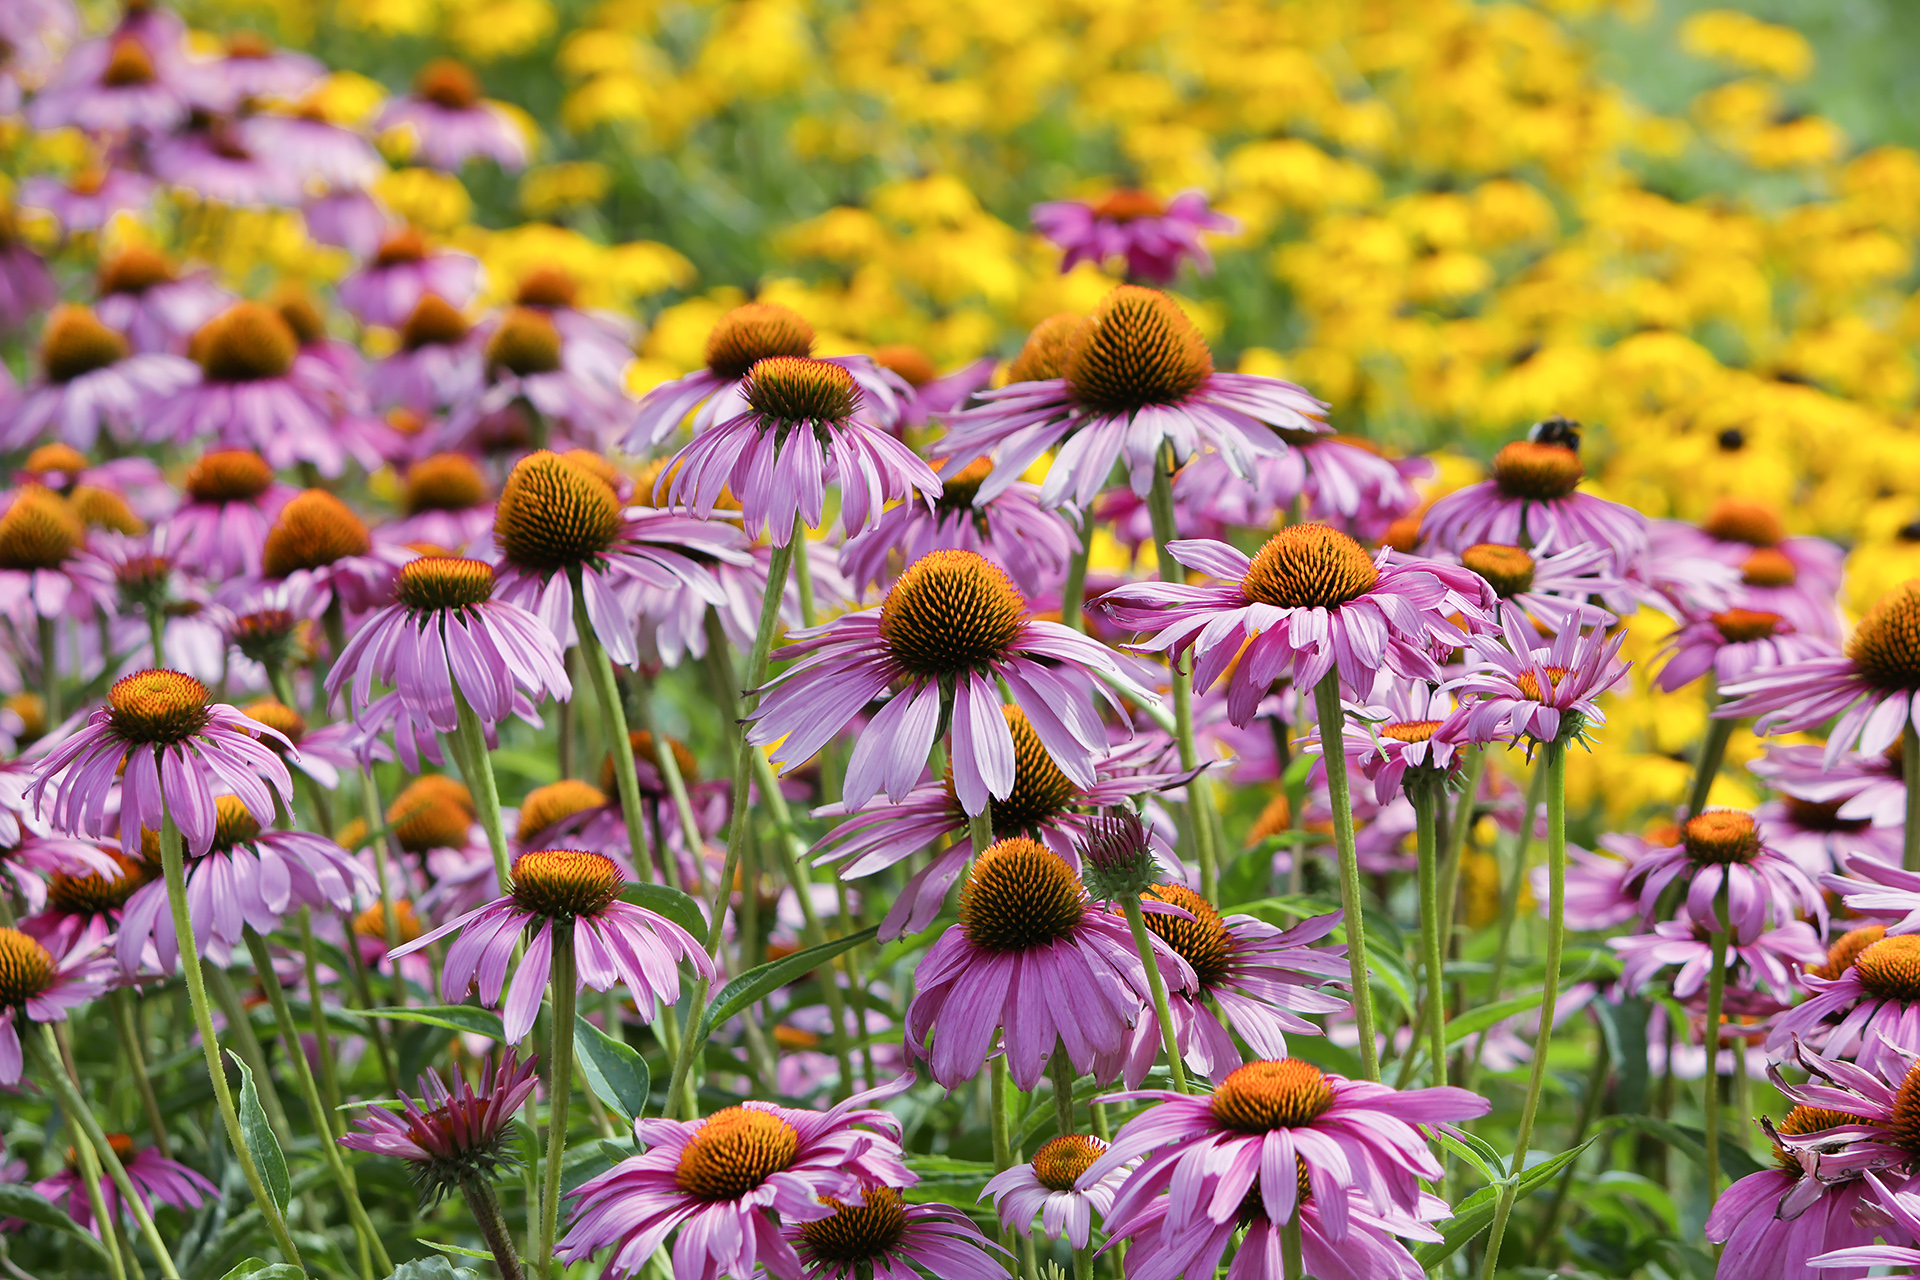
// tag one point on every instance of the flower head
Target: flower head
(1722, 850)
(1050, 1186)
(156, 1179)
(232, 502)
(1154, 236)
(1533, 501)
(89, 383)
(1515, 688)
(451, 123)
(37, 985)
(449, 1136)
(879, 1234)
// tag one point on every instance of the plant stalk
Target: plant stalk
(1332, 717)
(559, 1087)
(1157, 985)
(1433, 929)
(613, 724)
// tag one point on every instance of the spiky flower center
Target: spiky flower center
(443, 582)
(160, 707)
(1410, 730)
(1283, 1093)
(247, 343)
(559, 884)
(444, 482)
(134, 270)
(753, 332)
(278, 716)
(1804, 1120)
(314, 530)
(1041, 792)
(229, 475)
(1722, 836)
(1818, 816)
(1890, 968)
(1128, 203)
(56, 457)
(951, 611)
(1886, 645)
(447, 83)
(792, 389)
(404, 245)
(372, 923)
(1020, 895)
(94, 894)
(128, 66)
(76, 344)
(855, 1233)
(1508, 570)
(958, 490)
(1743, 626)
(1529, 684)
(39, 531)
(433, 322)
(554, 514)
(1769, 567)
(1738, 520)
(1060, 1161)
(1137, 349)
(267, 635)
(431, 812)
(910, 362)
(1043, 356)
(1309, 566)
(526, 343)
(735, 1150)
(551, 287)
(234, 824)
(100, 508)
(1903, 1125)
(1537, 471)
(1203, 942)
(26, 968)
(556, 802)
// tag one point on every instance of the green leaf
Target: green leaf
(1735, 1161)
(762, 980)
(261, 1144)
(614, 1070)
(1474, 1151)
(28, 1205)
(261, 1269)
(434, 1268)
(1287, 908)
(451, 1017)
(1487, 1014)
(455, 1249)
(671, 903)
(1475, 1213)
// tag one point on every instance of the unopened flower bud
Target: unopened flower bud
(1116, 858)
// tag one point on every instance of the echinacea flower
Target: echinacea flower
(249, 67)
(403, 272)
(799, 429)
(1721, 855)
(1878, 1125)
(89, 383)
(1049, 1187)
(175, 748)
(444, 498)
(36, 985)
(1397, 737)
(716, 1178)
(42, 573)
(1734, 644)
(115, 85)
(528, 362)
(142, 295)
(1768, 964)
(877, 1234)
(1363, 1246)
(1856, 786)
(1533, 501)
(1862, 1012)
(1310, 601)
(1131, 380)
(1774, 1221)
(613, 941)
(451, 123)
(951, 626)
(1344, 481)
(26, 285)
(1516, 689)
(90, 199)
(451, 1137)
(1794, 576)
(1560, 590)
(82, 909)
(156, 1179)
(440, 362)
(31, 857)
(1035, 960)
(1898, 1210)
(232, 501)
(933, 394)
(214, 159)
(1154, 236)
(599, 343)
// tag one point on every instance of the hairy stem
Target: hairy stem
(1433, 930)
(1200, 790)
(559, 1088)
(1326, 700)
(613, 723)
(1156, 984)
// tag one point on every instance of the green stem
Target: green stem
(1292, 1265)
(476, 763)
(1326, 701)
(1589, 1104)
(317, 1011)
(1910, 774)
(803, 578)
(1716, 999)
(559, 1087)
(357, 974)
(676, 785)
(390, 919)
(1169, 1041)
(1555, 769)
(1200, 790)
(157, 636)
(1456, 843)
(1073, 595)
(980, 830)
(1002, 1136)
(247, 1045)
(613, 723)
(1061, 1070)
(104, 1225)
(1433, 930)
(1713, 750)
(485, 1207)
(126, 1025)
(1509, 907)
(50, 669)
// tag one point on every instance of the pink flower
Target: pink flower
(1774, 1222)
(251, 68)
(1532, 501)
(155, 1178)
(90, 199)
(115, 85)
(1767, 966)
(1855, 787)
(1734, 644)
(37, 985)
(213, 160)
(1879, 890)
(530, 362)
(450, 121)
(1345, 480)
(1050, 1187)
(878, 1235)
(1154, 236)
(157, 308)
(83, 906)
(1720, 853)
(1559, 590)
(404, 272)
(1397, 730)
(1898, 1210)
(232, 501)
(1866, 1119)
(1868, 1012)
(448, 1135)
(1514, 689)
(88, 383)
(1362, 1247)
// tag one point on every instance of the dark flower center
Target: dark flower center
(1060, 1161)
(1128, 203)
(1886, 645)
(1743, 626)
(1043, 357)
(247, 343)
(314, 530)
(444, 582)
(1309, 566)
(39, 531)
(801, 389)
(1283, 1093)
(128, 65)
(1040, 791)
(433, 322)
(735, 1150)
(444, 482)
(1846, 949)
(1890, 968)
(1738, 520)
(1722, 836)
(160, 707)
(94, 894)
(1020, 895)
(76, 344)
(857, 1232)
(560, 884)
(134, 270)
(555, 802)
(1537, 471)
(1137, 349)
(278, 716)
(404, 245)
(526, 343)
(549, 287)
(234, 824)
(297, 309)
(554, 514)
(950, 611)
(431, 812)
(1816, 816)
(229, 475)
(753, 332)
(1903, 1126)
(958, 490)
(1508, 570)
(911, 363)
(1202, 942)
(1768, 567)
(1804, 1120)
(26, 968)
(447, 83)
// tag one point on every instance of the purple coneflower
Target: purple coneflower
(1866, 1009)
(613, 941)
(450, 1138)
(933, 395)
(528, 361)
(1131, 380)
(155, 1178)
(89, 200)
(1049, 1187)
(320, 552)
(441, 361)
(212, 159)
(1878, 1122)
(1154, 236)
(37, 985)
(1817, 839)
(89, 382)
(716, 1178)
(951, 626)
(1396, 730)
(42, 573)
(1533, 501)
(232, 501)
(1310, 601)
(346, 218)
(1514, 689)
(1856, 787)
(598, 343)
(451, 123)
(158, 309)
(446, 503)
(26, 285)
(1795, 577)
(115, 85)
(404, 271)
(1359, 1246)
(1346, 482)
(1734, 644)
(1720, 850)
(1597, 897)
(250, 68)
(1769, 963)
(32, 857)
(879, 1235)
(1035, 960)
(82, 908)
(1899, 1211)
(1879, 890)
(1774, 1221)
(31, 30)
(1558, 591)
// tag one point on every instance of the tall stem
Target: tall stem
(559, 1087)
(1200, 790)
(1713, 750)
(379, 844)
(1332, 716)
(247, 1045)
(1509, 906)
(1292, 1265)
(126, 1025)
(1910, 774)
(103, 1224)
(1073, 596)
(1061, 1070)
(485, 1207)
(1716, 998)
(1002, 1135)
(1555, 768)
(476, 763)
(317, 1011)
(1156, 984)
(50, 669)
(613, 723)
(1433, 929)
(1455, 845)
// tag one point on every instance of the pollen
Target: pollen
(1722, 836)
(234, 824)
(1890, 968)
(556, 802)
(94, 894)
(559, 884)
(247, 343)
(856, 1233)
(229, 475)
(1043, 357)
(128, 66)
(443, 582)
(801, 389)
(1508, 570)
(404, 245)
(1769, 567)
(1801, 1121)
(525, 344)
(433, 322)
(39, 531)
(549, 287)
(1041, 792)
(1739, 520)
(26, 969)
(1410, 730)
(1020, 895)
(735, 1150)
(160, 707)
(1137, 349)
(431, 812)
(1202, 942)
(104, 509)
(278, 716)
(1743, 626)
(754, 332)
(1886, 645)
(910, 362)
(553, 514)
(1537, 471)
(56, 457)
(1283, 1093)
(76, 344)
(1309, 566)
(135, 269)
(447, 83)
(1060, 1161)
(372, 923)
(951, 611)
(314, 530)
